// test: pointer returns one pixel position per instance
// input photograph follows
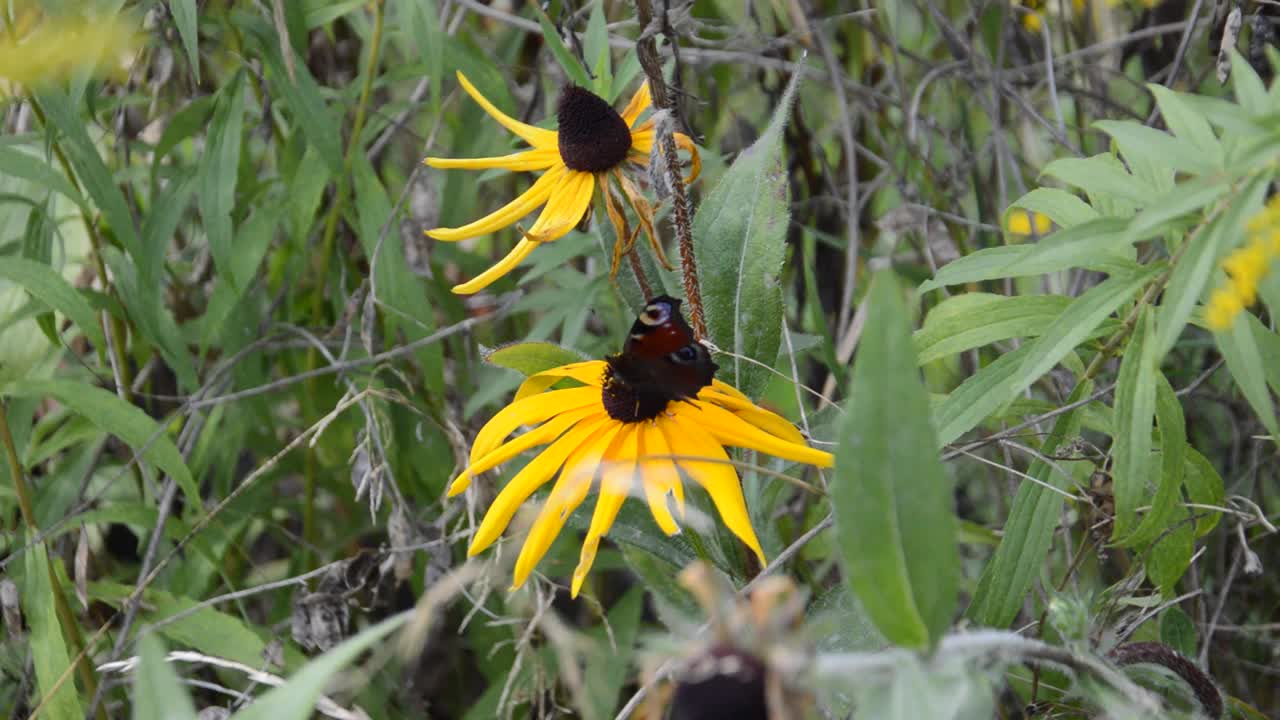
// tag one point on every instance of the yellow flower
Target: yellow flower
(1032, 22)
(612, 432)
(1246, 268)
(592, 145)
(38, 49)
(1021, 222)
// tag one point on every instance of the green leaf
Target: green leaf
(1063, 208)
(1193, 269)
(1078, 246)
(1138, 142)
(302, 97)
(218, 173)
(1100, 176)
(187, 20)
(1170, 555)
(528, 358)
(1187, 124)
(207, 630)
(47, 645)
(1005, 261)
(739, 240)
(115, 416)
(1135, 410)
(424, 17)
(193, 118)
(561, 53)
(595, 47)
(152, 319)
(1244, 360)
(18, 164)
(1188, 197)
(45, 284)
(891, 496)
(990, 388)
(94, 174)
(1028, 533)
(1204, 487)
(970, 320)
(295, 699)
(157, 691)
(1177, 631)
(1248, 87)
(1173, 464)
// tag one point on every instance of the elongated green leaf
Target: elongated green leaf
(295, 699)
(1028, 532)
(1189, 197)
(562, 55)
(117, 417)
(528, 358)
(1187, 124)
(301, 94)
(1007, 261)
(1137, 141)
(94, 174)
(218, 174)
(1100, 175)
(18, 164)
(1063, 208)
(48, 286)
(990, 388)
(1170, 555)
(891, 496)
(48, 646)
(157, 692)
(1173, 464)
(1078, 246)
(1193, 269)
(1204, 487)
(1250, 92)
(424, 16)
(1244, 360)
(595, 47)
(1135, 410)
(152, 318)
(207, 630)
(970, 320)
(1177, 631)
(185, 17)
(740, 243)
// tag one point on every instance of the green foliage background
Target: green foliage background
(235, 383)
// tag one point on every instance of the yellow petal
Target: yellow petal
(589, 372)
(541, 435)
(658, 476)
(500, 268)
(565, 208)
(765, 420)
(727, 389)
(529, 479)
(728, 429)
(642, 142)
(570, 490)
(526, 203)
(638, 104)
(716, 476)
(521, 161)
(616, 480)
(529, 411)
(535, 136)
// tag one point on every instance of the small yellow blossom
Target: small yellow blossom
(40, 49)
(1032, 22)
(1021, 222)
(1246, 268)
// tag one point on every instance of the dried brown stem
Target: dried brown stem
(647, 52)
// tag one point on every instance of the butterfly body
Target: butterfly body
(660, 362)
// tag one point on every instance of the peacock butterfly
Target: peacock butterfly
(660, 362)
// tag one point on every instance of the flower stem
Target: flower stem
(647, 52)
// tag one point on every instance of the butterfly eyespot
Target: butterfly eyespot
(655, 314)
(684, 355)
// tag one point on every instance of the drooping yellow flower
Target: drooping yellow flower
(1246, 268)
(593, 145)
(625, 436)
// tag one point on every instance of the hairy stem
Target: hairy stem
(663, 99)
